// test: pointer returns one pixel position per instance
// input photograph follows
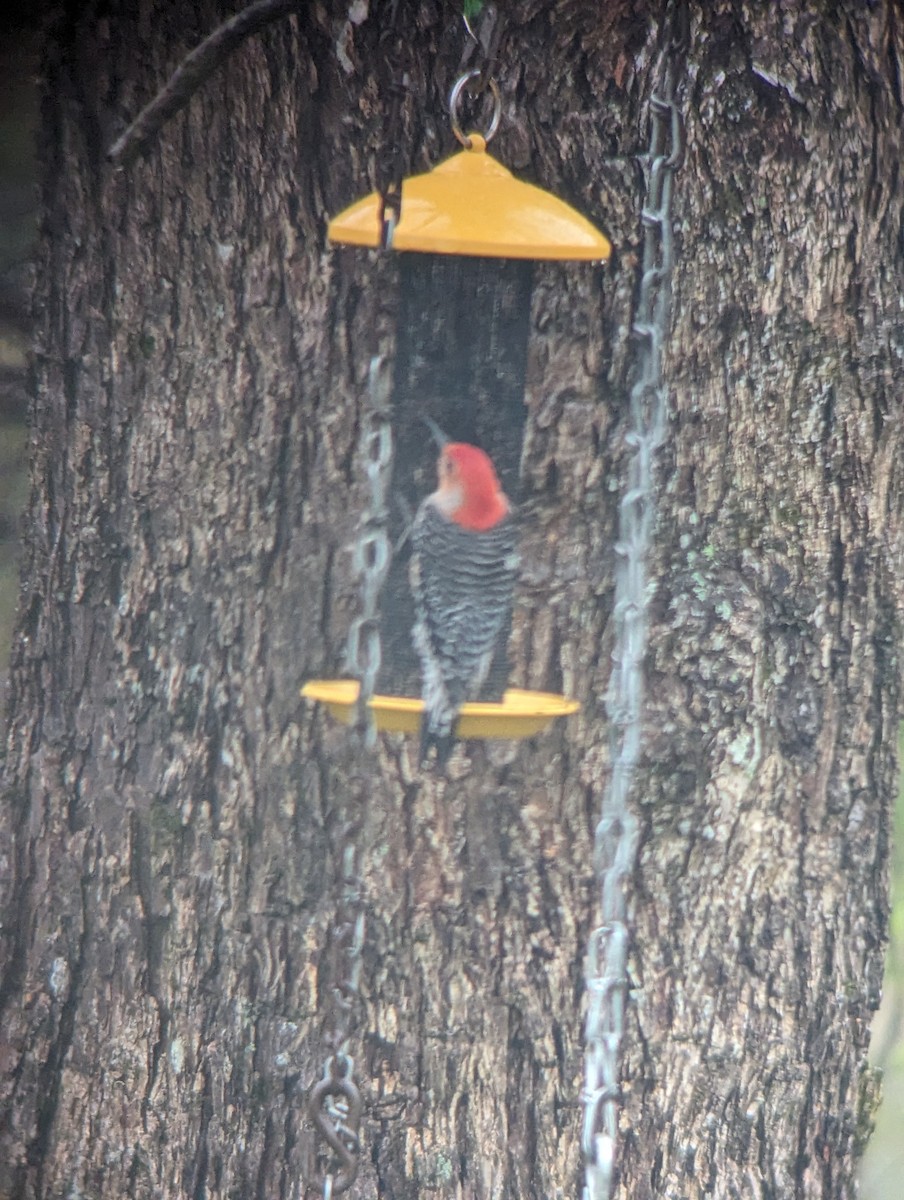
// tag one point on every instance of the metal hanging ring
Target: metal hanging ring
(455, 97)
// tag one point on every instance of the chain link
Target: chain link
(372, 552)
(336, 1110)
(618, 830)
(334, 1103)
(390, 164)
(482, 44)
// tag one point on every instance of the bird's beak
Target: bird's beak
(439, 437)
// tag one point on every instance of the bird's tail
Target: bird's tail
(438, 735)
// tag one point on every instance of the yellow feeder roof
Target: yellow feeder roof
(470, 204)
(521, 714)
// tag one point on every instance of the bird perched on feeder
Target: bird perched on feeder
(462, 575)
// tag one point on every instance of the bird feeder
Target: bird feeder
(520, 714)
(472, 205)
(466, 235)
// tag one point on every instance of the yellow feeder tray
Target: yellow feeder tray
(471, 204)
(521, 714)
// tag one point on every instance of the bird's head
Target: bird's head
(469, 492)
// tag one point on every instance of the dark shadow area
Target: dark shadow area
(18, 214)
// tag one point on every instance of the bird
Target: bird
(462, 575)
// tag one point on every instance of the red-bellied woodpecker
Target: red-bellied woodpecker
(462, 576)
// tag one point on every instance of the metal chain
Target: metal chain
(483, 47)
(481, 44)
(334, 1103)
(618, 830)
(372, 550)
(390, 164)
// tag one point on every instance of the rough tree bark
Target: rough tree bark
(171, 814)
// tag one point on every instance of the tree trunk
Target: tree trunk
(174, 811)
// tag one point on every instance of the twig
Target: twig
(192, 72)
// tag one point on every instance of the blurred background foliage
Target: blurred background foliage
(883, 1169)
